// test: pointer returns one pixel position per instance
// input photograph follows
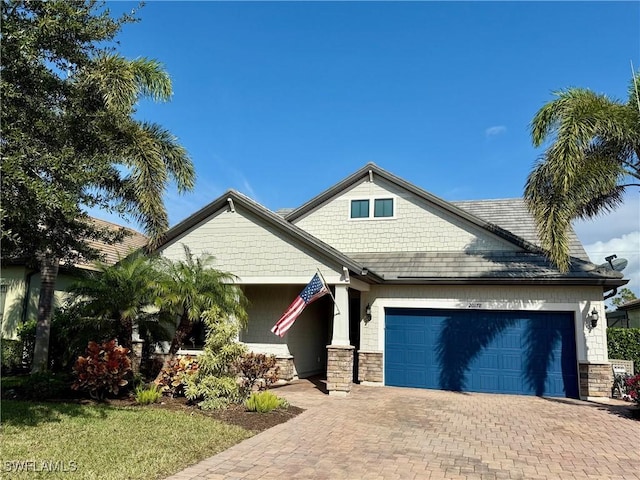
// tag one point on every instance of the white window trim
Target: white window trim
(372, 206)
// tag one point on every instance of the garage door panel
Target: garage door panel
(510, 352)
(416, 357)
(511, 363)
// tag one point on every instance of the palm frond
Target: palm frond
(595, 145)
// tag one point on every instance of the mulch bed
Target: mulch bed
(233, 414)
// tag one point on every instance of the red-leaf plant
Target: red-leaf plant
(103, 370)
(633, 388)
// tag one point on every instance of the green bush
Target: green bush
(263, 402)
(146, 396)
(45, 386)
(70, 334)
(215, 384)
(624, 344)
(11, 355)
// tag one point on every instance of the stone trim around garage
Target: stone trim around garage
(339, 369)
(595, 380)
(370, 367)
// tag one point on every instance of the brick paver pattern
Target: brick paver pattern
(401, 433)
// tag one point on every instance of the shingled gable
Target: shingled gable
(531, 265)
(233, 199)
(372, 168)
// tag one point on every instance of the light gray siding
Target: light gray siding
(249, 248)
(417, 226)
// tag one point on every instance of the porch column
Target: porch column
(341, 317)
(340, 352)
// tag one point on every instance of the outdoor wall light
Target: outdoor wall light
(367, 312)
(593, 318)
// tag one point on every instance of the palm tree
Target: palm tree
(192, 290)
(124, 293)
(592, 160)
(132, 161)
(149, 155)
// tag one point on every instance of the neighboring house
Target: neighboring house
(428, 293)
(20, 284)
(626, 315)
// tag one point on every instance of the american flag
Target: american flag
(313, 291)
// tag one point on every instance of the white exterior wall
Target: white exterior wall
(417, 226)
(250, 249)
(591, 343)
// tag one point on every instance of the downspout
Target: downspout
(611, 293)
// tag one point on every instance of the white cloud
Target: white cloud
(248, 189)
(623, 220)
(617, 233)
(495, 130)
(627, 246)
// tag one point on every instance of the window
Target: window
(383, 207)
(359, 208)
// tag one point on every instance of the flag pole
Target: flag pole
(329, 288)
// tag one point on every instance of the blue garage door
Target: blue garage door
(530, 353)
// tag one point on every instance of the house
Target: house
(428, 293)
(626, 315)
(20, 284)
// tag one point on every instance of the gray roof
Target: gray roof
(508, 219)
(481, 267)
(512, 215)
(235, 198)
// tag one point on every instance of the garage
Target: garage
(514, 352)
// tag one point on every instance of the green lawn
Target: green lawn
(106, 442)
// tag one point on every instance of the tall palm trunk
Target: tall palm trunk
(126, 327)
(184, 329)
(48, 273)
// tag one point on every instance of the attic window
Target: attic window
(359, 208)
(383, 207)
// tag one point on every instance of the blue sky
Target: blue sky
(281, 100)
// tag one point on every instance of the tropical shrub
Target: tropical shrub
(215, 383)
(172, 379)
(69, 336)
(257, 371)
(103, 370)
(10, 355)
(263, 402)
(45, 386)
(624, 344)
(633, 388)
(146, 396)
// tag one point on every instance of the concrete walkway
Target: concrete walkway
(400, 433)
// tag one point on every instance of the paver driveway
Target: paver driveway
(400, 433)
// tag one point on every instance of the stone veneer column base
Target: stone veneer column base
(339, 369)
(595, 380)
(286, 370)
(370, 366)
(136, 360)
